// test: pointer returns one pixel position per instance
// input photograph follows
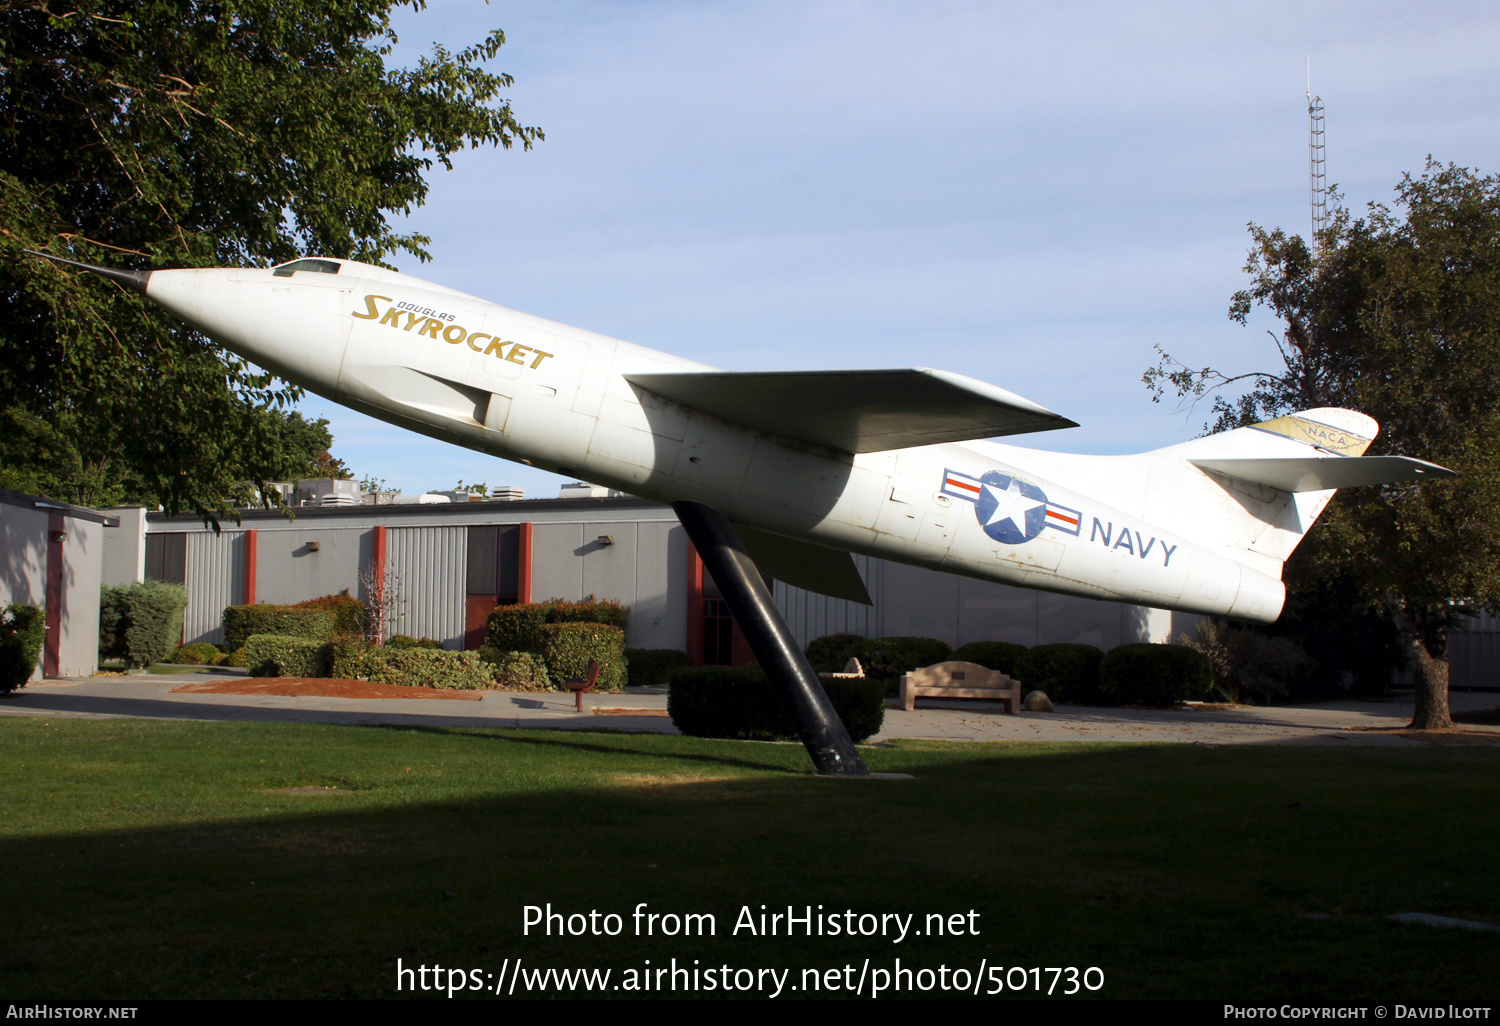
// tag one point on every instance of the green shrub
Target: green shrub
(589, 610)
(22, 630)
(235, 658)
(275, 655)
(568, 647)
(140, 623)
(349, 614)
(406, 641)
(831, 652)
(1154, 675)
(518, 628)
(349, 657)
(428, 668)
(653, 665)
(888, 658)
(517, 671)
(1248, 666)
(993, 655)
(717, 701)
(1065, 671)
(199, 653)
(242, 622)
(111, 612)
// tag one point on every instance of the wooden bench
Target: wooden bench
(956, 679)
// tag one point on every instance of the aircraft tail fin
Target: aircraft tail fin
(1256, 490)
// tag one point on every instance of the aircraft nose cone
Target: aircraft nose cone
(297, 332)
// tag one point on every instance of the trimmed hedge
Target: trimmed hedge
(889, 658)
(140, 623)
(1004, 656)
(348, 658)
(1065, 671)
(235, 658)
(568, 647)
(717, 701)
(199, 653)
(407, 641)
(349, 614)
(22, 630)
(1154, 675)
(244, 622)
(589, 610)
(653, 665)
(428, 668)
(517, 671)
(831, 652)
(518, 628)
(274, 655)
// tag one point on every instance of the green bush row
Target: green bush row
(244, 622)
(1152, 675)
(518, 628)
(565, 636)
(345, 657)
(1065, 671)
(718, 701)
(349, 614)
(882, 658)
(406, 641)
(428, 668)
(517, 671)
(199, 653)
(568, 647)
(274, 655)
(22, 629)
(140, 623)
(653, 665)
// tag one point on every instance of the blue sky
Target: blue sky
(1034, 195)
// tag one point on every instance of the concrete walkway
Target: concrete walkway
(1342, 723)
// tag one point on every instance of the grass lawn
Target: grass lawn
(150, 859)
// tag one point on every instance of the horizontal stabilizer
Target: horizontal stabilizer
(1319, 473)
(859, 410)
(805, 565)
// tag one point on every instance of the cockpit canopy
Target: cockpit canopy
(321, 266)
(357, 270)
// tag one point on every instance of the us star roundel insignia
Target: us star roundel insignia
(1010, 510)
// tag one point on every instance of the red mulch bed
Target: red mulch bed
(321, 687)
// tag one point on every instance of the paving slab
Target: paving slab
(1359, 723)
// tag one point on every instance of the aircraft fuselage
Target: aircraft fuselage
(522, 388)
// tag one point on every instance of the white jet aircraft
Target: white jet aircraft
(809, 466)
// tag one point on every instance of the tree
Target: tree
(187, 133)
(1396, 314)
(96, 464)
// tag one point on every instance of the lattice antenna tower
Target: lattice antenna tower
(1317, 179)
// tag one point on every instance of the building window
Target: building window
(166, 558)
(718, 633)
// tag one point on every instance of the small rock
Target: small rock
(1037, 701)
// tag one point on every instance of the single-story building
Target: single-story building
(445, 566)
(52, 554)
